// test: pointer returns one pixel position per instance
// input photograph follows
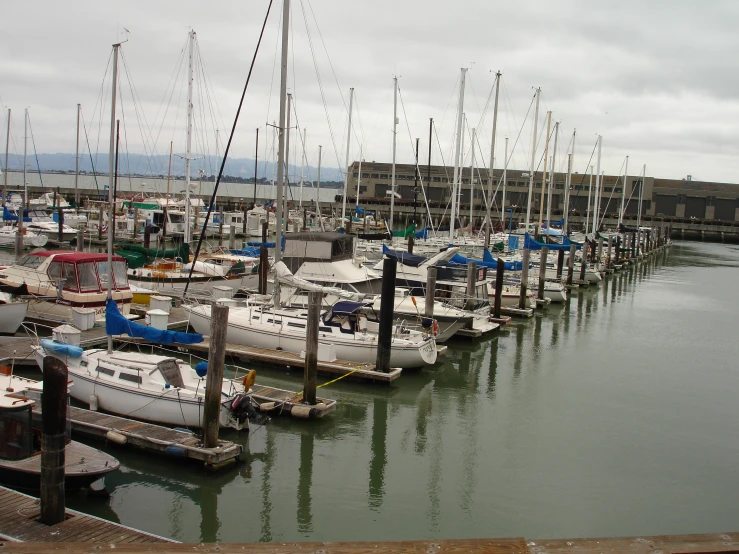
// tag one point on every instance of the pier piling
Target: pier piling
(609, 259)
(571, 265)
(263, 262)
(135, 222)
(471, 280)
(214, 378)
(499, 276)
(584, 264)
(60, 217)
(542, 271)
(80, 241)
(53, 439)
(430, 292)
(560, 263)
(524, 278)
(310, 381)
(387, 305)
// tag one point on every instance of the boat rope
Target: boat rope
(228, 148)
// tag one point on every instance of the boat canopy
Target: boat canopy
(10, 216)
(285, 276)
(117, 324)
(138, 256)
(405, 258)
(319, 246)
(343, 308)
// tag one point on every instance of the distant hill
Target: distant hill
(137, 164)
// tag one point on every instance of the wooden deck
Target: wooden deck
(153, 438)
(351, 370)
(20, 523)
(279, 401)
(712, 542)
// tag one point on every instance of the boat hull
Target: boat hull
(12, 316)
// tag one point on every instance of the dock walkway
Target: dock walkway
(20, 523)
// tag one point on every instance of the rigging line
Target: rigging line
(104, 86)
(605, 210)
(320, 87)
(221, 121)
(35, 153)
(228, 147)
(92, 163)
(578, 188)
(209, 103)
(125, 140)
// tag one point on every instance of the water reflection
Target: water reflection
(305, 518)
(378, 459)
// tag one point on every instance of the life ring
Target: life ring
(435, 328)
(249, 379)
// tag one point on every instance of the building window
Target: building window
(362, 188)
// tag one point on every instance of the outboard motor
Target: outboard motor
(244, 407)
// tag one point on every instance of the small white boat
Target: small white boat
(31, 239)
(12, 313)
(155, 388)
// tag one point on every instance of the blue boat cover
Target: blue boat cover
(116, 324)
(404, 258)
(251, 251)
(61, 348)
(513, 242)
(423, 233)
(487, 261)
(531, 244)
(10, 216)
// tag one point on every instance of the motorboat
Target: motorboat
(20, 442)
(344, 329)
(30, 238)
(12, 313)
(39, 222)
(64, 280)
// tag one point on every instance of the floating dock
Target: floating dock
(20, 522)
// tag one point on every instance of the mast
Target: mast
(569, 181)
(318, 189)
(302, 166)
(395, 144)
(76, 162)
(169, 173)
(533, 161)
(505, 177)
(641, 191)
(460, 110)
(461, 162)
(590, 194)
(598, 182)
(472, 176)
(189, 140)
(346, 162)
(416, 175)
(7, 145)
(285, 213)
(359, 180)
(428, 171)
(281, 138)
(25, 154)
(489, 202)
(111, 180)
(544, 174)
(623, 193)
(552, 175)
(256, 166)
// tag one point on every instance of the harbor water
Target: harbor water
(616, 413)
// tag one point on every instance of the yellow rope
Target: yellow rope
(340, 377)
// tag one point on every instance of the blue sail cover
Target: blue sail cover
(116, 324)
(487, 261)
(403, 257)
(10, 216)
(423, 233)
(250, 251)
(531, 244)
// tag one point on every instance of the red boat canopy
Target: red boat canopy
(73, 257)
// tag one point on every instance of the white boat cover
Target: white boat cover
(285, 276)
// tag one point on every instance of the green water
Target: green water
(614, 414)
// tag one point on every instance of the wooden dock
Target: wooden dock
(175, 443)
(337, 368)
(20, 523)
(276, 401)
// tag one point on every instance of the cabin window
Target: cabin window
(298, 325)
(31, 261)
(55, 271)
(325, 329)
(176, 218)
(119, 272)
(70, 277)
(129, 377)
(88, 277)
(105, 371)
(103, 273)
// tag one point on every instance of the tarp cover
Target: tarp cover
(10, 216)
(403, 257)
(138, 256)
(117, 324)
(409, 231)
(531, 244)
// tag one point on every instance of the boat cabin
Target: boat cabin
(316, 247)
(347, 316)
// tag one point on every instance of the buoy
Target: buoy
(117, 438)
(249, 379)
(176, 451)
(267, 406)
(301, 411)
(93, 403)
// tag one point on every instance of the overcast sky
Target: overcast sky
(658, 79)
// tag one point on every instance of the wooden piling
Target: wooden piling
(164, 222)
(19, 240)
(542, 271)
(471, 280)
(53, 440)
(430, 292)
(135, 222)
(147, 236)
(220, 222)
(571, 265)
(387, 305)
(232, 238)
(617, 255)
(524, 279)
(499, 276)
(243, 227)
(263, 261)
(60, 217)
(584, 264)
(599, 255)
(560, 263)
(633, 245)
(214, 378)
(410, 243)
(609, 260)
(100, 222)
(80, 241)
(310, 381)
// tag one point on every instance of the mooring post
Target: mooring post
(387, 305)
(165, 217)
(410, 243)
(430, 292)
(135, 222)
(53, 440)
(80, 240)
(609, 260)
(214, 378)
(220, 222)
(599, 255)
(617, 255)
(243, 223)
(263, 262)
(633, 245)
(471, 281)
(571, 265)
(147, 236)
(499, 277)
(19, 243)
(310, 380)
(232, 237)
(524, 278)
(584, 264)
(560, 263)
(60, 217)
(100, 222)
(542, 271)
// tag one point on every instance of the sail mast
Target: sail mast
(569, 181)
(460, 116)
(281, 135)
(641, 191)
(187, 236)
(552, 176)
(25, 154)
(7, 145)
(472, 177)
(590, 194)
(256, 167)
(505, 177)
(346, 159)
(395, 136)
(533, 162)
(111, 180)
(598, 186)
(359, 180)
(489, 203)
(302, 167)
(318, 189)
(77, 162)
(623, 193)
(544, 174)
